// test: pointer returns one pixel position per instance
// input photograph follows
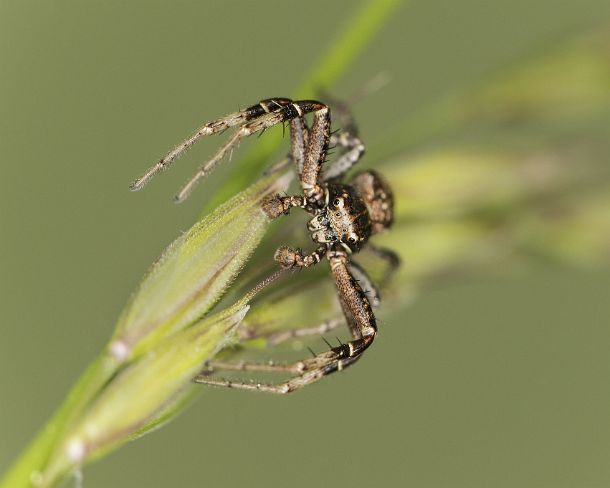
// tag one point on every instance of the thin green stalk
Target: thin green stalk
(26, 470)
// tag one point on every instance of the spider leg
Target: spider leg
(354, 301)
(277, 337)
(315, 155)
(213, 127)
(361, 321)
(272, 339)
(305, 372)
(354, 151)
(284, 113)
(367, 285)
(314, 369)
(250, 367)
(299, 137)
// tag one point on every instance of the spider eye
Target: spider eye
(336, 202)
(351, 240)
(320, 219)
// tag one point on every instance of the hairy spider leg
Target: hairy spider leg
(315, 155)
(213, 127)
(365, 282)
(275, 338)
(284, 113)
(362, 325)
(354, 151)
(299, 138)
(272, 339)
(307, 372)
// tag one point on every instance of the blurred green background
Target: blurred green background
(499, 379)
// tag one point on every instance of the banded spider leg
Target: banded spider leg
(256, 118)
(362, 325)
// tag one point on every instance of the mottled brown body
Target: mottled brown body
(344, 216)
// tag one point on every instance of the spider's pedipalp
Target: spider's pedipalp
(295, 258)
(281, 205)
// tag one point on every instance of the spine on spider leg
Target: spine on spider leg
(266, 106)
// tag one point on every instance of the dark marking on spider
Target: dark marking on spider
(344, 216)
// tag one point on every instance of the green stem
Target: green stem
(26, 469)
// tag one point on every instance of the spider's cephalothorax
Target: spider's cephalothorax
(351, 213)
(344, 216)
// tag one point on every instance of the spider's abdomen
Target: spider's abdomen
(378, 198)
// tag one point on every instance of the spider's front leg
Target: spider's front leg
(214, 127)
(314, 155)
(254, 119)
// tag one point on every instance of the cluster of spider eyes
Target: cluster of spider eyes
(337, 202)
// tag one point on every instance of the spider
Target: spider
(344, 216)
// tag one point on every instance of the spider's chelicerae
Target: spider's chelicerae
(344, 216)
